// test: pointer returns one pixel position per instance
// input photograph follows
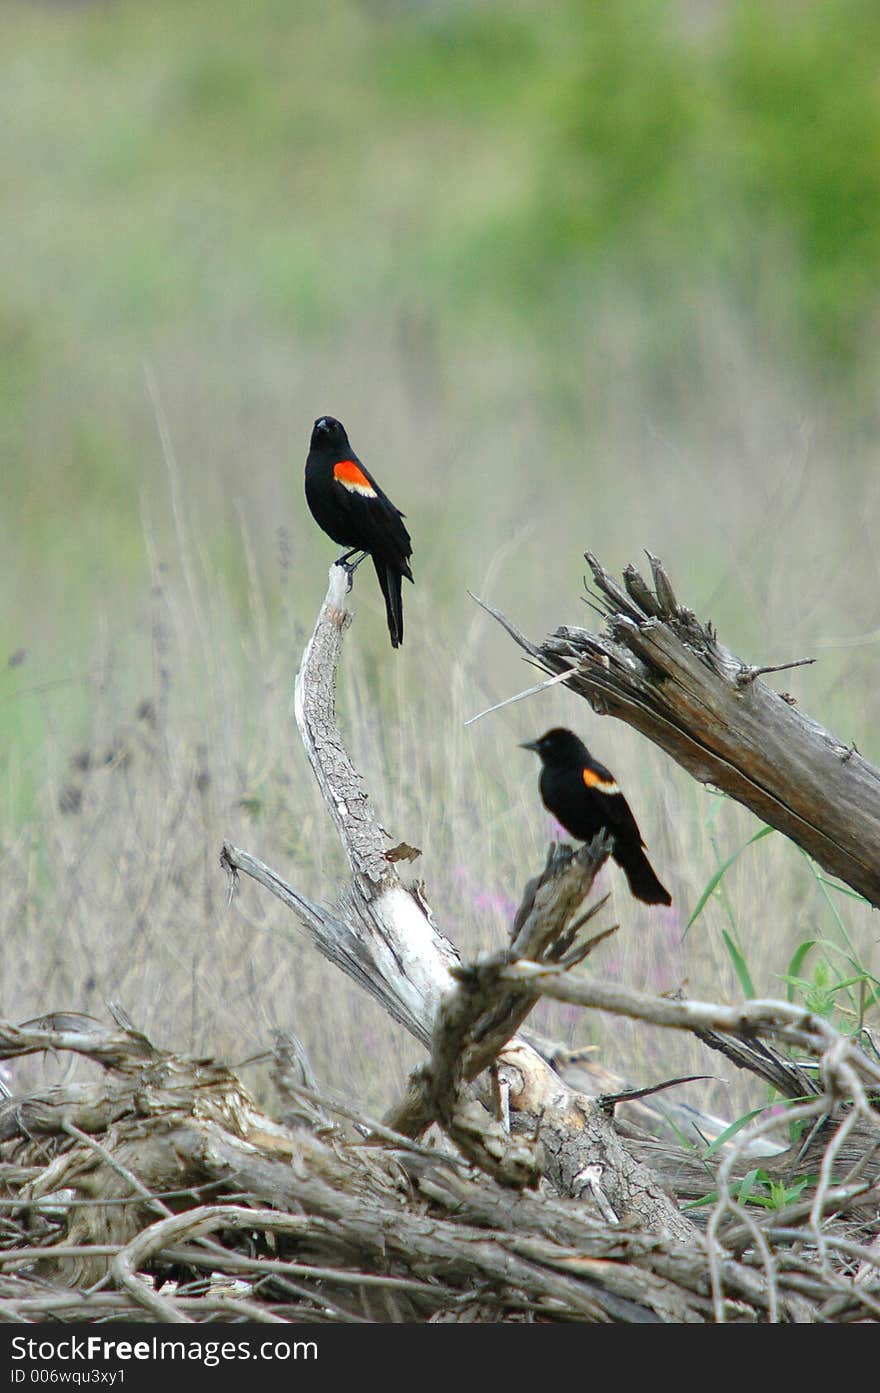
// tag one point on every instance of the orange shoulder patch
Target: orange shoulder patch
(594, 780)
(348, 473)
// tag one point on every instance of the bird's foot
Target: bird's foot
(347, 564)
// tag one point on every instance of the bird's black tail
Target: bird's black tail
(391, 582)
(642, 881)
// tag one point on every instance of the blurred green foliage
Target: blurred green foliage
(668, 149)
(485, 183)
(654, 147)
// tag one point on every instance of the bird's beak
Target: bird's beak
(530, 745)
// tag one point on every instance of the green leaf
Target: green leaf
(700, 1203)
(842, 889)
(795, 965)
(747, 1184)
(713, 883)
(871, 984)
(739, 965)
(731, 1131)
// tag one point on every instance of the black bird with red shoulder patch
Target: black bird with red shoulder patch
(349, 505)
(582, 795)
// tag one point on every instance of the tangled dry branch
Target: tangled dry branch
(501, 1187)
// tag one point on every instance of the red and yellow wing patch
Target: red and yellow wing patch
(350, 475)
(594, 780)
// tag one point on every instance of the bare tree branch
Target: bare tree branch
(382, 933)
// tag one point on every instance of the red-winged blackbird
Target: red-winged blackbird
(349, 505)
(582, 795)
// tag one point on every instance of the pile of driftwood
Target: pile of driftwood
(511, 1182)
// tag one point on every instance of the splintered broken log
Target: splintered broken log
(665, 673)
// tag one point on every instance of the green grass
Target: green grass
(575, 276)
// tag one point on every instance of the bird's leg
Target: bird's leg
(349, 566)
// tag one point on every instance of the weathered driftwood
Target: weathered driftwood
(390, 922)
(172, 1174)
(381, 933)
(193, 1157)
(389, 934)
(661, 670)
(476, 1015)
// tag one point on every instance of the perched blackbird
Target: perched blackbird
(582, 795)
(349, 505)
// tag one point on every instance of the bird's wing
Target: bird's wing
(379, 524)
(600, 783)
